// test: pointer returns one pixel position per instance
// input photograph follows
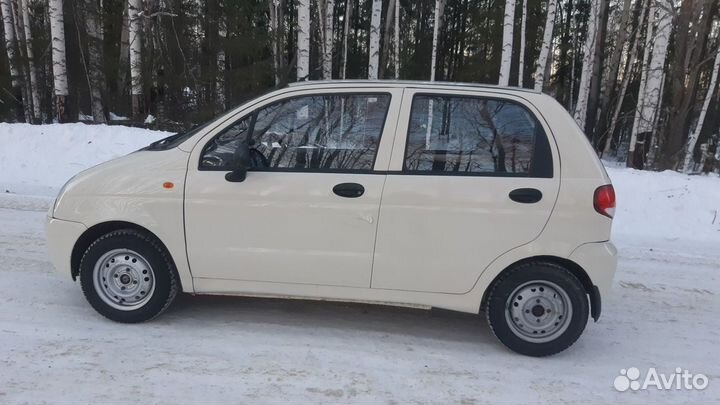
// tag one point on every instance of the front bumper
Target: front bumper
(62, 236)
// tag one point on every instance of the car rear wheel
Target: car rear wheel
(128, 276)
(538, 309)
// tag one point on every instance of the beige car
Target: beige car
(458, 196)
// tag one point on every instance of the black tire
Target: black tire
(498, 309)
(165, 283)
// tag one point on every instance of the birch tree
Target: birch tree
(627, 74)
(220, 58)
(9, 31)
(95, 63)
(275, 47)
(609, 81)
(581, 106)
(396, 51)
(303, 40)
(649, 32)
(124, 58)
(59, 66)
(374, 50)
(439, 11)
(34, 91)
(22, 57)
(437, 25)
(346, 34)
(523, 24)
(326, 9)
(507, 42)
(694, 23)
(692, 140)
(651, 86)
(546, 44)
(135, 41)
(387, 39)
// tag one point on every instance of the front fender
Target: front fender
(135, 189)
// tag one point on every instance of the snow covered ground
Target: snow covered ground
(663, 313)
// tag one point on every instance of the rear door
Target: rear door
(472, 176)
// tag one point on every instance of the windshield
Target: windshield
(173, 141)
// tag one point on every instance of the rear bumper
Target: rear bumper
(62, 236)
(599, 260)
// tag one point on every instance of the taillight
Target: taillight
(604, 200)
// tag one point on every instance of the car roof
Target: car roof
(407, 83)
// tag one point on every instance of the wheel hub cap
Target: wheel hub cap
(538, 311)
(124, 279)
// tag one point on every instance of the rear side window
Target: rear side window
(338, 132)
(475, 136)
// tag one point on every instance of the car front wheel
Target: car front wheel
(128, 276)
(538, 309)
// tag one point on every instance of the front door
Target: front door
(471, 177)
(307, 210)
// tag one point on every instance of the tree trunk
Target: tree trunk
(389, 20)
(346, 33)
(275, 47)
(34, 91)
(692, 31)
(581, 107)
(135, 39)
(596, 85)
(374, 51)
(24, 75)
(626, 78)
(16, 79)
(220, 58)
(692, 140)
(124, 59)
(546, 44)
(507, 42)
(282, 43)
(396, 58)
(303, 40)
(649, 100)
(521, 68)
(439, 11)
(611, 73)
(95, 65)
(326, 9)
(59, 67)
(649, 32)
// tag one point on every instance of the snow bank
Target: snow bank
(39, 159)
(666, 205)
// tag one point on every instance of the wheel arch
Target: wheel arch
(100, 229)
(574, 268)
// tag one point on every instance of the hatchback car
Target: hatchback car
(458, 196)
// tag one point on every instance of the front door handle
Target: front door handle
(526, 195)
(349, 190)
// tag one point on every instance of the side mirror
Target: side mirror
(239, 174)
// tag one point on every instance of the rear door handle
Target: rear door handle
(349, 190)
(526, 195)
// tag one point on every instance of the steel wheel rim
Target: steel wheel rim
(538, 311)
(124, 279)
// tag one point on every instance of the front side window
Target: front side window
(310, 133)
(474, 135)
(323, 132)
